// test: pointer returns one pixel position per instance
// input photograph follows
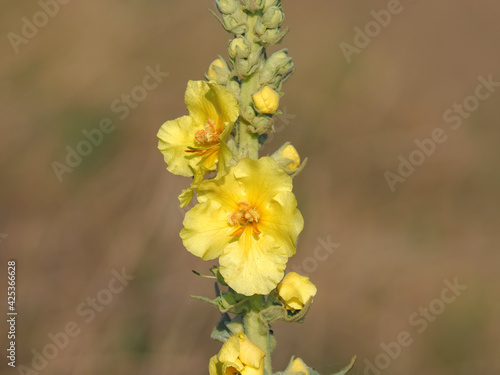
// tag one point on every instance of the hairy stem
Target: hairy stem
(248, 143)
(258, 332)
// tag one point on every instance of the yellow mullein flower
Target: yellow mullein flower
(249, 219)
(295, 290)
(238, 355)
(191, 144)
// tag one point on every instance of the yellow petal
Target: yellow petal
(227, 103)
(173, 138)
(185, 197)
(225, 190)
(254, 264)
(253, 371)
(282, 220)
(262, 179)
(206, 230)
(250, 354)
(230, 351)
(215, 366)
(208, 100)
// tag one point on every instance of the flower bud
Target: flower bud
(247, 113)
(261, 125)
(259, 27)
(218, 71)
(243, 67)
(234, 87)
(253, 6)
(295, 291)
(255, 57)
(269, 3)
(278, 64)
(287, 157)
(273, 17)
(272, 37)
(297, 367)
(234, 23)
(239, 47)
(226, 6)
(266, 100)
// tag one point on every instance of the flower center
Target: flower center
(209, 135)
(246, 214)
(207, 139)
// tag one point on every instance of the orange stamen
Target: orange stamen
(237, 231)
(244, 215)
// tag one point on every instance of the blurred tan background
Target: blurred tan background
(118, 207)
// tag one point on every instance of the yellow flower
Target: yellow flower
(266, 100)
(295, 290)
(238, 355)
(191, 144)
(298, 367)
(248, 218)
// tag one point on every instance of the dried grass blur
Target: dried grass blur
(119, 207)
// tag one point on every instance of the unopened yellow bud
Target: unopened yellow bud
(289, 152)
(218, 71)
(239, 47)
(295, 290)
(298, 366)
(266, 100)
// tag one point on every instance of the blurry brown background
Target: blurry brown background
(118, 208)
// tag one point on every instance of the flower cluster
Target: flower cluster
(246, 213)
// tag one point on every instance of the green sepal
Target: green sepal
(212, 302)
(201, 275)
(299, 316)
(220, 279)
(273, 314)
(235, 27)
(233, 302)
(252, 6)
(346, 369)
(221, 332)
(228, 300)
(236, 325)
(227, 327)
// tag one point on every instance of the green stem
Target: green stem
(258, 332)
(248, 143)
